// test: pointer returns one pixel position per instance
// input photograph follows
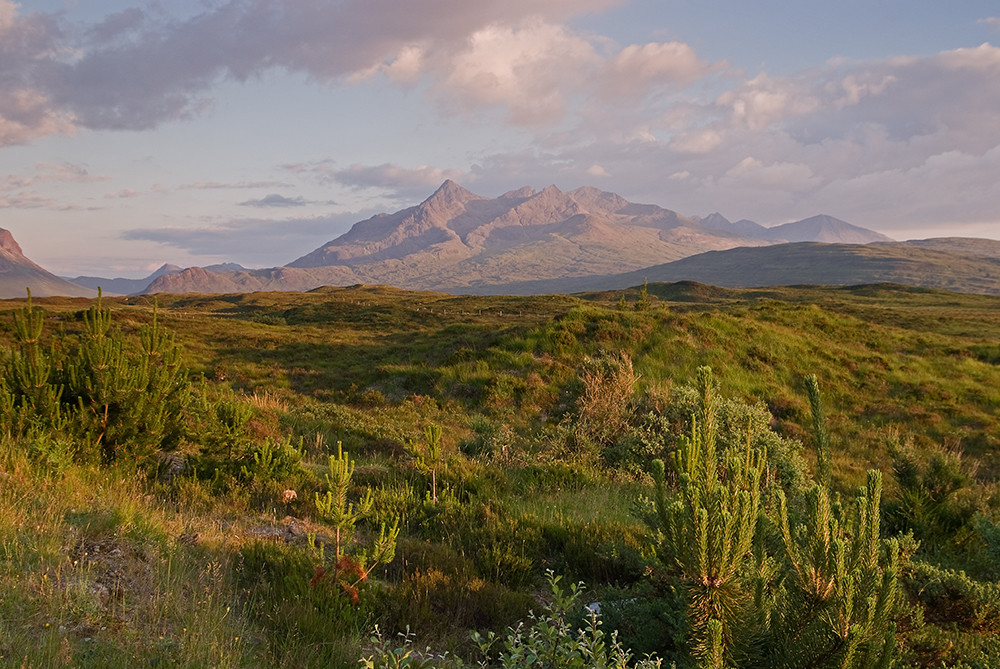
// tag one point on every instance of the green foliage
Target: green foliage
(124, 398)
(29, 400)
(935, 497)
(272, 460)
(428, 454)
(952, 597)
(841, 594)
(351, 567)
(821, 437)
(825, 598)
(373, 366)
(130, 397)
(709, 526)
(548, 641)
(335, 507)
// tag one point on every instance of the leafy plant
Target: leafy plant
(546, 641)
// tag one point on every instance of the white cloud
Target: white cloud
(763, 101)
(992, 21)
(527, 70)
(638, 69)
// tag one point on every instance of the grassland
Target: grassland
(114, 566)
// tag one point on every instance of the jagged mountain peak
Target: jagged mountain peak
(597, 200)
(518, 194)
(7, 242)
(450, 192)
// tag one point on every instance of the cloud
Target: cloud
(140, 68)
(220, 185)
(991, 21)
(252, 241)
(275, 200)
(639, 69)
(393, 177)
(890, 144)
(394, 181)
(528, 70)
(28, 45)
(124, 194)
(28, 191)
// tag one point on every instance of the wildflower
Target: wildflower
(288, 496)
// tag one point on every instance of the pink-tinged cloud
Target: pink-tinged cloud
(53, 172)
(638, 70)
(221, 185)
(395, 179)
(27, 46)
(136, 69)
(529, 70)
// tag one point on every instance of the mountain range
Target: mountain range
(458, 241)
(529, 241)
(121, 286)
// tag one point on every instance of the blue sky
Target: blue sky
(202, 131)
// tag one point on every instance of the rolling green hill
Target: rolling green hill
(963, 265)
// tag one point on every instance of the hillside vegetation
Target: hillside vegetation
(956, 264)
(767, 477)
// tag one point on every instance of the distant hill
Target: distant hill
(203, 280)
(946, 263)
(460, 241)
(823, 228)
(964, 246)
(820, 228)
(120, 286)
(17, 274)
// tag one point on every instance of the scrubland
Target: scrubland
(364, 476)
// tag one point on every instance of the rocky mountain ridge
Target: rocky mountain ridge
(459, 240)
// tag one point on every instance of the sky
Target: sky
(253, 131)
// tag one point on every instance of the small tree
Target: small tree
(428, 454)
(762, 590)
(709, 527)
(28, 397)
(123, 397)
(349, 570)
(128, 397)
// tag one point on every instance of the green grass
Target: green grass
(97, 573)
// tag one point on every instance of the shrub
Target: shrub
(824, 597)
(547, 641)
(604, 407)
(124, 398)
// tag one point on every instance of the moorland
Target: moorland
(796, 476)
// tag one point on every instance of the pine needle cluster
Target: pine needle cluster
(768, 583)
